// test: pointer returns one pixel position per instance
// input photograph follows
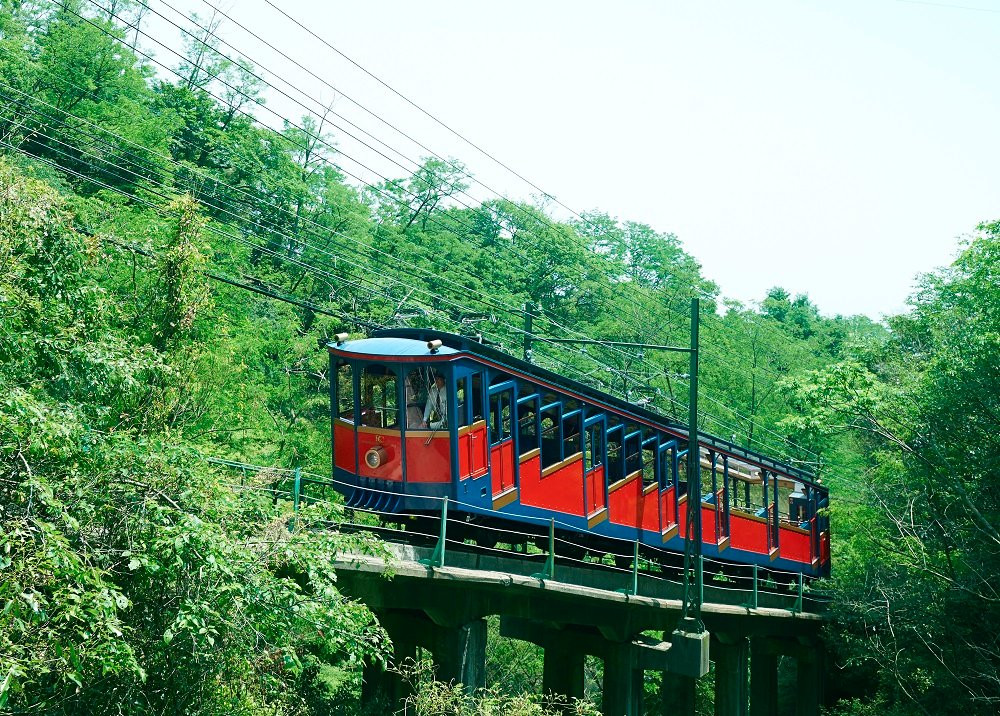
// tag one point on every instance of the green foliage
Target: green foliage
(917, 569)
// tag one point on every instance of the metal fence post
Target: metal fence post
(635, 568)
(437, 558)
(755, 586)
(549, 571)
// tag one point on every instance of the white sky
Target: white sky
(835, 148)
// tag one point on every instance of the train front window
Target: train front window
(415, 393)
(345, 392)
(379, 406)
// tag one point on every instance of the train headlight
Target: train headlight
(375, 457)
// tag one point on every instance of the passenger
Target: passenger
(414, 418)
(436, 409)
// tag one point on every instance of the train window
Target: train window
(379, 407)
(633, 461)
(527, 425)
(616, 458)
(571, 434)
(415, 393)
(649, 463)
(593, 452)
(494, 421)
(682, 471)
(461, 395)
(550, 437)
(477, 397)
(666, 467)
(345, 392)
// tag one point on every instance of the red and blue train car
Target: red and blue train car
(419, 413)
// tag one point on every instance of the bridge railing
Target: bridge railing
(643, 570)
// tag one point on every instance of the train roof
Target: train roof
(393, 346)
(396, 342)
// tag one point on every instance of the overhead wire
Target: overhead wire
(513, 311)
(215, 8)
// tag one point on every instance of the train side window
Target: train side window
(527, 425)
(379, 408)
(345, 392)
(616, 457)
(550, 437)
(461, 397)
(477, 397)
(666, 475)
(649, 463)
(494, 421)
(594, 449)
(571, 434)
(633, 458)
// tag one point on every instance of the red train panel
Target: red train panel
(388, 440)
(595, 490)
(560, 490)
(502, 466)
(472, 451)
(795, 544)
(629, 504)
(428, 458)
(747, 533)
(343, 445)
(667, 509)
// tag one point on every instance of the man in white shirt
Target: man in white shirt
(436, 409)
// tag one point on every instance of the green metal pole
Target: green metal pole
(635, 569)
(755, 586)
(693, 457)
(798, 603)
(549, 571)
(442, 538)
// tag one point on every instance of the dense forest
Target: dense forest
(171, 267)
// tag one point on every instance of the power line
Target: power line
(513, 310)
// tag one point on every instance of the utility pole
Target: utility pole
(694, 470)
(693, 546)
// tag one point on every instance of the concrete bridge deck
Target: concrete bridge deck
(581, 611)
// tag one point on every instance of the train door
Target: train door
(500, 419)
(594, 460)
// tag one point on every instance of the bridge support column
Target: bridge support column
(384, 686)
(763, 678)
(622, 694)
(731, 660)
(809, 673)
(460, 654)
(562, 673)
(677, 694)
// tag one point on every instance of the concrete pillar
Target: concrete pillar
(386, 686)
(460, 654)
(763, 678)
(677, 694)
(563, 671)
(731, 661)
(809, 683)
(622, 695)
